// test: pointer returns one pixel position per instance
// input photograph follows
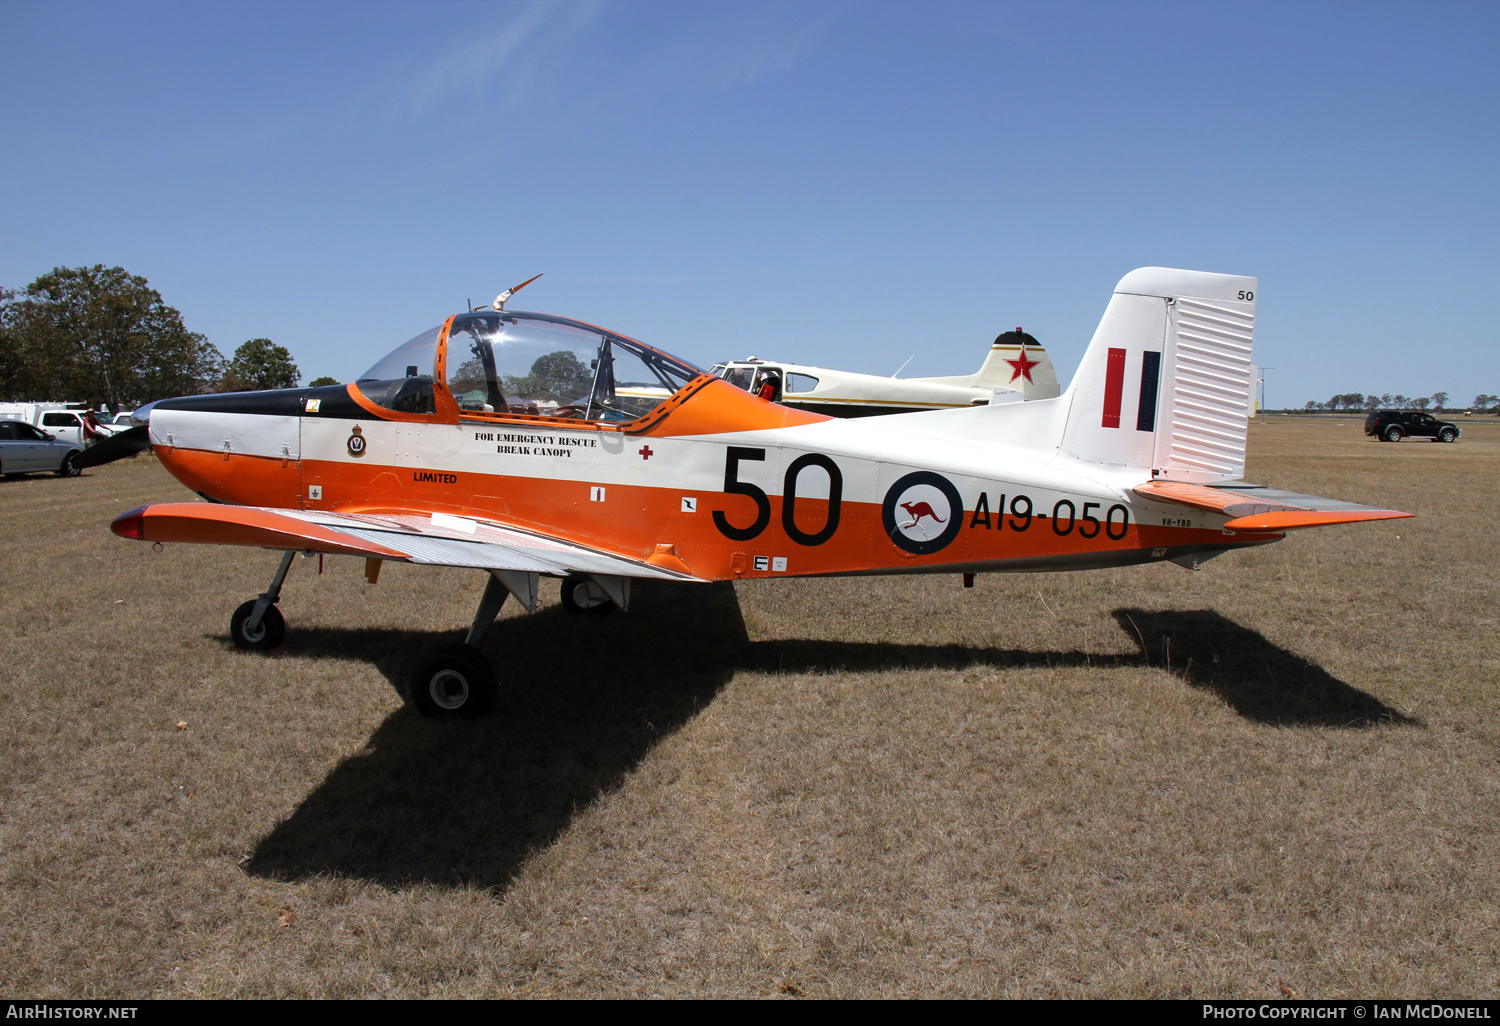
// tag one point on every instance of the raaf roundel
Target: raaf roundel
(528, 445)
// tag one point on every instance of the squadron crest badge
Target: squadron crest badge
(356, 443)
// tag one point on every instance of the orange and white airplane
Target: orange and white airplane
(529, 445)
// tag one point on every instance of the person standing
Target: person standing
(91, 431)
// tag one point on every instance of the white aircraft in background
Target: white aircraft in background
(1016, 369)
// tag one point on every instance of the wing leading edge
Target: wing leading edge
(1257, 508)
(438, 540)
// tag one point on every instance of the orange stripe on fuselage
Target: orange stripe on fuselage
(635, 519)
(245, 480)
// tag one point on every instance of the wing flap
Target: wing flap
(1256, 507)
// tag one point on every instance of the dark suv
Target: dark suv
(1394, 425)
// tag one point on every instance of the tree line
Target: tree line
(1386, 401)
(102, 336)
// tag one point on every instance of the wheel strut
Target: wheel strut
(495, 594)
(270, 595)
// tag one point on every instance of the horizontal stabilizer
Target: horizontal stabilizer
(1257, 508)
(436, 539)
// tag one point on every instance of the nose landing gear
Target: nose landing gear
(258, 625)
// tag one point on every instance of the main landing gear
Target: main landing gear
(582, 594)
(454, 680)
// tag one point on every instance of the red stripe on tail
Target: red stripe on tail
(1114, 387)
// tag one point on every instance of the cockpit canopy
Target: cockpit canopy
(529, 363)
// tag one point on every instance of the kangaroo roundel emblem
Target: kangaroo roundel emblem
(922, 513)
(356, 444)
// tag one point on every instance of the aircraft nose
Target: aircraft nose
(142, 416)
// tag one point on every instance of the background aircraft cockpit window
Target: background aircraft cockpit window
(501, 362)
(403, 380)
(801, 382)
(739, 377)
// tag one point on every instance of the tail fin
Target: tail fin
(1016, 360)
(1166, 382)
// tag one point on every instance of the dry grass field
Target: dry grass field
(1275, 775)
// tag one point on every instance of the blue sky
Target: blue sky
(835, 183)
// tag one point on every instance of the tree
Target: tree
(21, 370)
(100, 335)
(1421, 403)
(1372, 401)
(1483, 402)
(260, 364)
(320, 382)
(558, 377)
(1439, 399)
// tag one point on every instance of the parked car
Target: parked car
(25, 449)
(64, 421)
(1394, 425)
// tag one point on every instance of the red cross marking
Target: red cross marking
(646, 452)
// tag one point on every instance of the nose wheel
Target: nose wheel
(258, 625)
(269, 633)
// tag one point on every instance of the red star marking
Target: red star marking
(1022, 366)
(646, 452)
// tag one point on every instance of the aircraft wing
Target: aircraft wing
(438, 539)
(1258, 508)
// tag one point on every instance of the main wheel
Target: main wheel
(1447, 435)
(581, 595)
(69, 466)
(453, 681)
(1393, 434)
(268, 634)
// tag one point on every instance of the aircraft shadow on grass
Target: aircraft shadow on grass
(584, 700)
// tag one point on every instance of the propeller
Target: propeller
(116, 447)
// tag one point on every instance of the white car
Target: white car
(68, 425)
(25, 450)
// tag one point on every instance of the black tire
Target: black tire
(1393, 434)
(1447, 435)
(69, 466)
(270, 634)
(453, 681)
(577, 600)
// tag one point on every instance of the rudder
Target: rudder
(1165, 384)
